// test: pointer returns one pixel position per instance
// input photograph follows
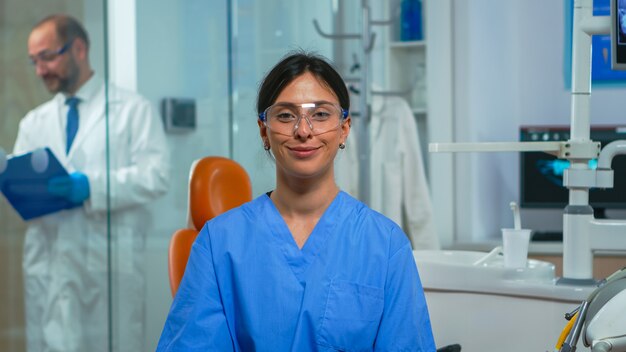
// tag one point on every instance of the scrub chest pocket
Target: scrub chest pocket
(352, 316)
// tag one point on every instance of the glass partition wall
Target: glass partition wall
(262, 33)
(215, 55)
(107, 275)
(185, 64)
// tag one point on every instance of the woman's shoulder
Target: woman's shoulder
(236, 222)
(363, 212)
(247, 212)
(377, 226)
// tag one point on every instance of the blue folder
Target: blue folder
(26, 188)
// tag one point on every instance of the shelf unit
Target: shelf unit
(408, 44)
(407, 72)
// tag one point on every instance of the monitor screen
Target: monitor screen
(618, 34)
(541, 174)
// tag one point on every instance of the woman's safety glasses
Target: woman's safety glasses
(320, 117)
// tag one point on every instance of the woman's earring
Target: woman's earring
(342, 146)
(266, 146)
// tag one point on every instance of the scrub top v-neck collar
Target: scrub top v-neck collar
(300, 259)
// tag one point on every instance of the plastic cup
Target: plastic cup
(515, 247)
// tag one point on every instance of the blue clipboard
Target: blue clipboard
(24, 184)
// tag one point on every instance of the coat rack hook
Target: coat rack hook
(334, 36)
(370, 45)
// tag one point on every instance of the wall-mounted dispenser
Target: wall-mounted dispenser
(179, 114)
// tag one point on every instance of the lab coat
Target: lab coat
(65, 253)
(398, 182)
(353, 286)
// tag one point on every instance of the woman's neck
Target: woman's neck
(300, 199)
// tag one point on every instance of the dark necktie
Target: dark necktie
(72, 121)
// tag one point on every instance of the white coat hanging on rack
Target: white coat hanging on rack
(361, 125)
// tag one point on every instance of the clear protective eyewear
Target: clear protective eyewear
(50, 55)
(321, 117)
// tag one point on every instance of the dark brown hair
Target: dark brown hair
(294, 65)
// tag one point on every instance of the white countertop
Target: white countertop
(535, 248)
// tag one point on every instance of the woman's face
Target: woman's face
(302, 154)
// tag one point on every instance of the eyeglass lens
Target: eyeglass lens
(320, 118)
(48, 55)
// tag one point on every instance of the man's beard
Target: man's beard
(56, 83)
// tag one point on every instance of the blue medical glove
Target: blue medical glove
(74, 187)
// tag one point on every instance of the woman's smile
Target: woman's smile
(303, 152)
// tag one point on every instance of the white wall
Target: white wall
(507, 71)
(440, 97)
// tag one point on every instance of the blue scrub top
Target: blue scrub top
(353, 286)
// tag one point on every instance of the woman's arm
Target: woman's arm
(405, 325)
(196, 321)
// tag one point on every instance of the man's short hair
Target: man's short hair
(68, 28)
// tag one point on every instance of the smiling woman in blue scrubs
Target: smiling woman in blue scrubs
(304, 267)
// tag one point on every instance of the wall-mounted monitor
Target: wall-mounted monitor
(618, 34)
(541, 174)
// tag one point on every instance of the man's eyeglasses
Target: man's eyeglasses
(285, 118)
(50, 55)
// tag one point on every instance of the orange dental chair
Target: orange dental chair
(216, 184)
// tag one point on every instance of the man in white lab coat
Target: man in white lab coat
(66, 259)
